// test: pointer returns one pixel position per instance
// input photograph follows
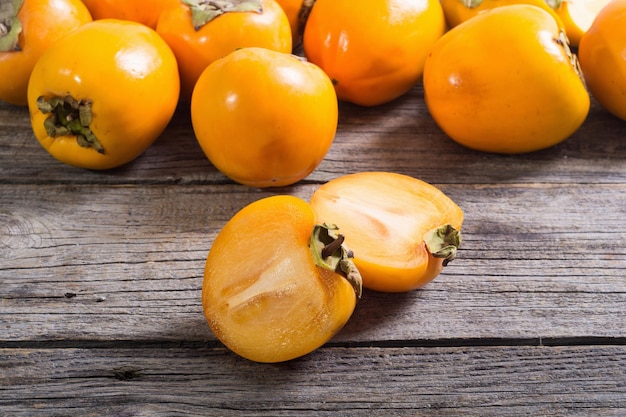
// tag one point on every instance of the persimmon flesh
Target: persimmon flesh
(402, 230)
(271, 293)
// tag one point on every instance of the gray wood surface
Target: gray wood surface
(100, 278)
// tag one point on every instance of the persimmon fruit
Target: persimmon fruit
(458, 11)
(276, 285)
(506, 81)
(264, 118)
(373, 50)
(402, 230)
(602, 55)
(105, 108)
(146, 12)
(200, 32)
(27, 29)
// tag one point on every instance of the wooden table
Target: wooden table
(101, 272)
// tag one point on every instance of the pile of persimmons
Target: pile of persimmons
(263, 79)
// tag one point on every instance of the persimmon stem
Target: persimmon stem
(443, 242)
(203, 11)
(333, 246)
(68, 116)
(329, 252)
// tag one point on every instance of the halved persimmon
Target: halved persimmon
(403, 231)
(276, 285)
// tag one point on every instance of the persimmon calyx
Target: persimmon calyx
(443, 242)
(203, 11)
(68, 116)
(563, 42)
(329, 252)
(10, 25)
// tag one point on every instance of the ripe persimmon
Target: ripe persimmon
(276, 285)
(506, 81)
(146, 12)
(200, 32)
(402, 230)
(264, 118)
(603, 58)
(106, 108)
(458, 11)
(27, 29)
(373, 50)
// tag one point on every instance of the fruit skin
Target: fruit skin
(373, 50)
(263, 296)
(602, 55)
(386, 219)
(264, 118)
(519, 91)
(297, 12)
(131, 78)
(197, 49)
(458, 11)
(43, 23)
(146, 12)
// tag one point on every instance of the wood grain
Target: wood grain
(178, 381)
(100, 278)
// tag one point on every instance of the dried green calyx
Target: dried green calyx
(68, 116)
(203, 11)
(443, 242)
(10, 25)
(329, 252)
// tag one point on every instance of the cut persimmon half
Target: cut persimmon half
(402, 230)
(276, 285)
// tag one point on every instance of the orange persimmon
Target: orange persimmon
(264, 118)
(201, 32)
(506, 81)
(276, 285)
(146, 12)
(102, 95)
(27, 29)
(403, 231)
(602, 55)
(373, 50)
(458, 11)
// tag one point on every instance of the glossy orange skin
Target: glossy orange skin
(384, 217)
(43, 23)
(512, 93)
(292, 10)
(130, 75)
(146, 12)
(195, 50)
(457, 12)
(263, 295)
(373, 50)
(603, 58)
(264, 118)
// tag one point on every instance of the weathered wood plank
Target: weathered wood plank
(400, 137)
(184, 381)
(122, 262)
